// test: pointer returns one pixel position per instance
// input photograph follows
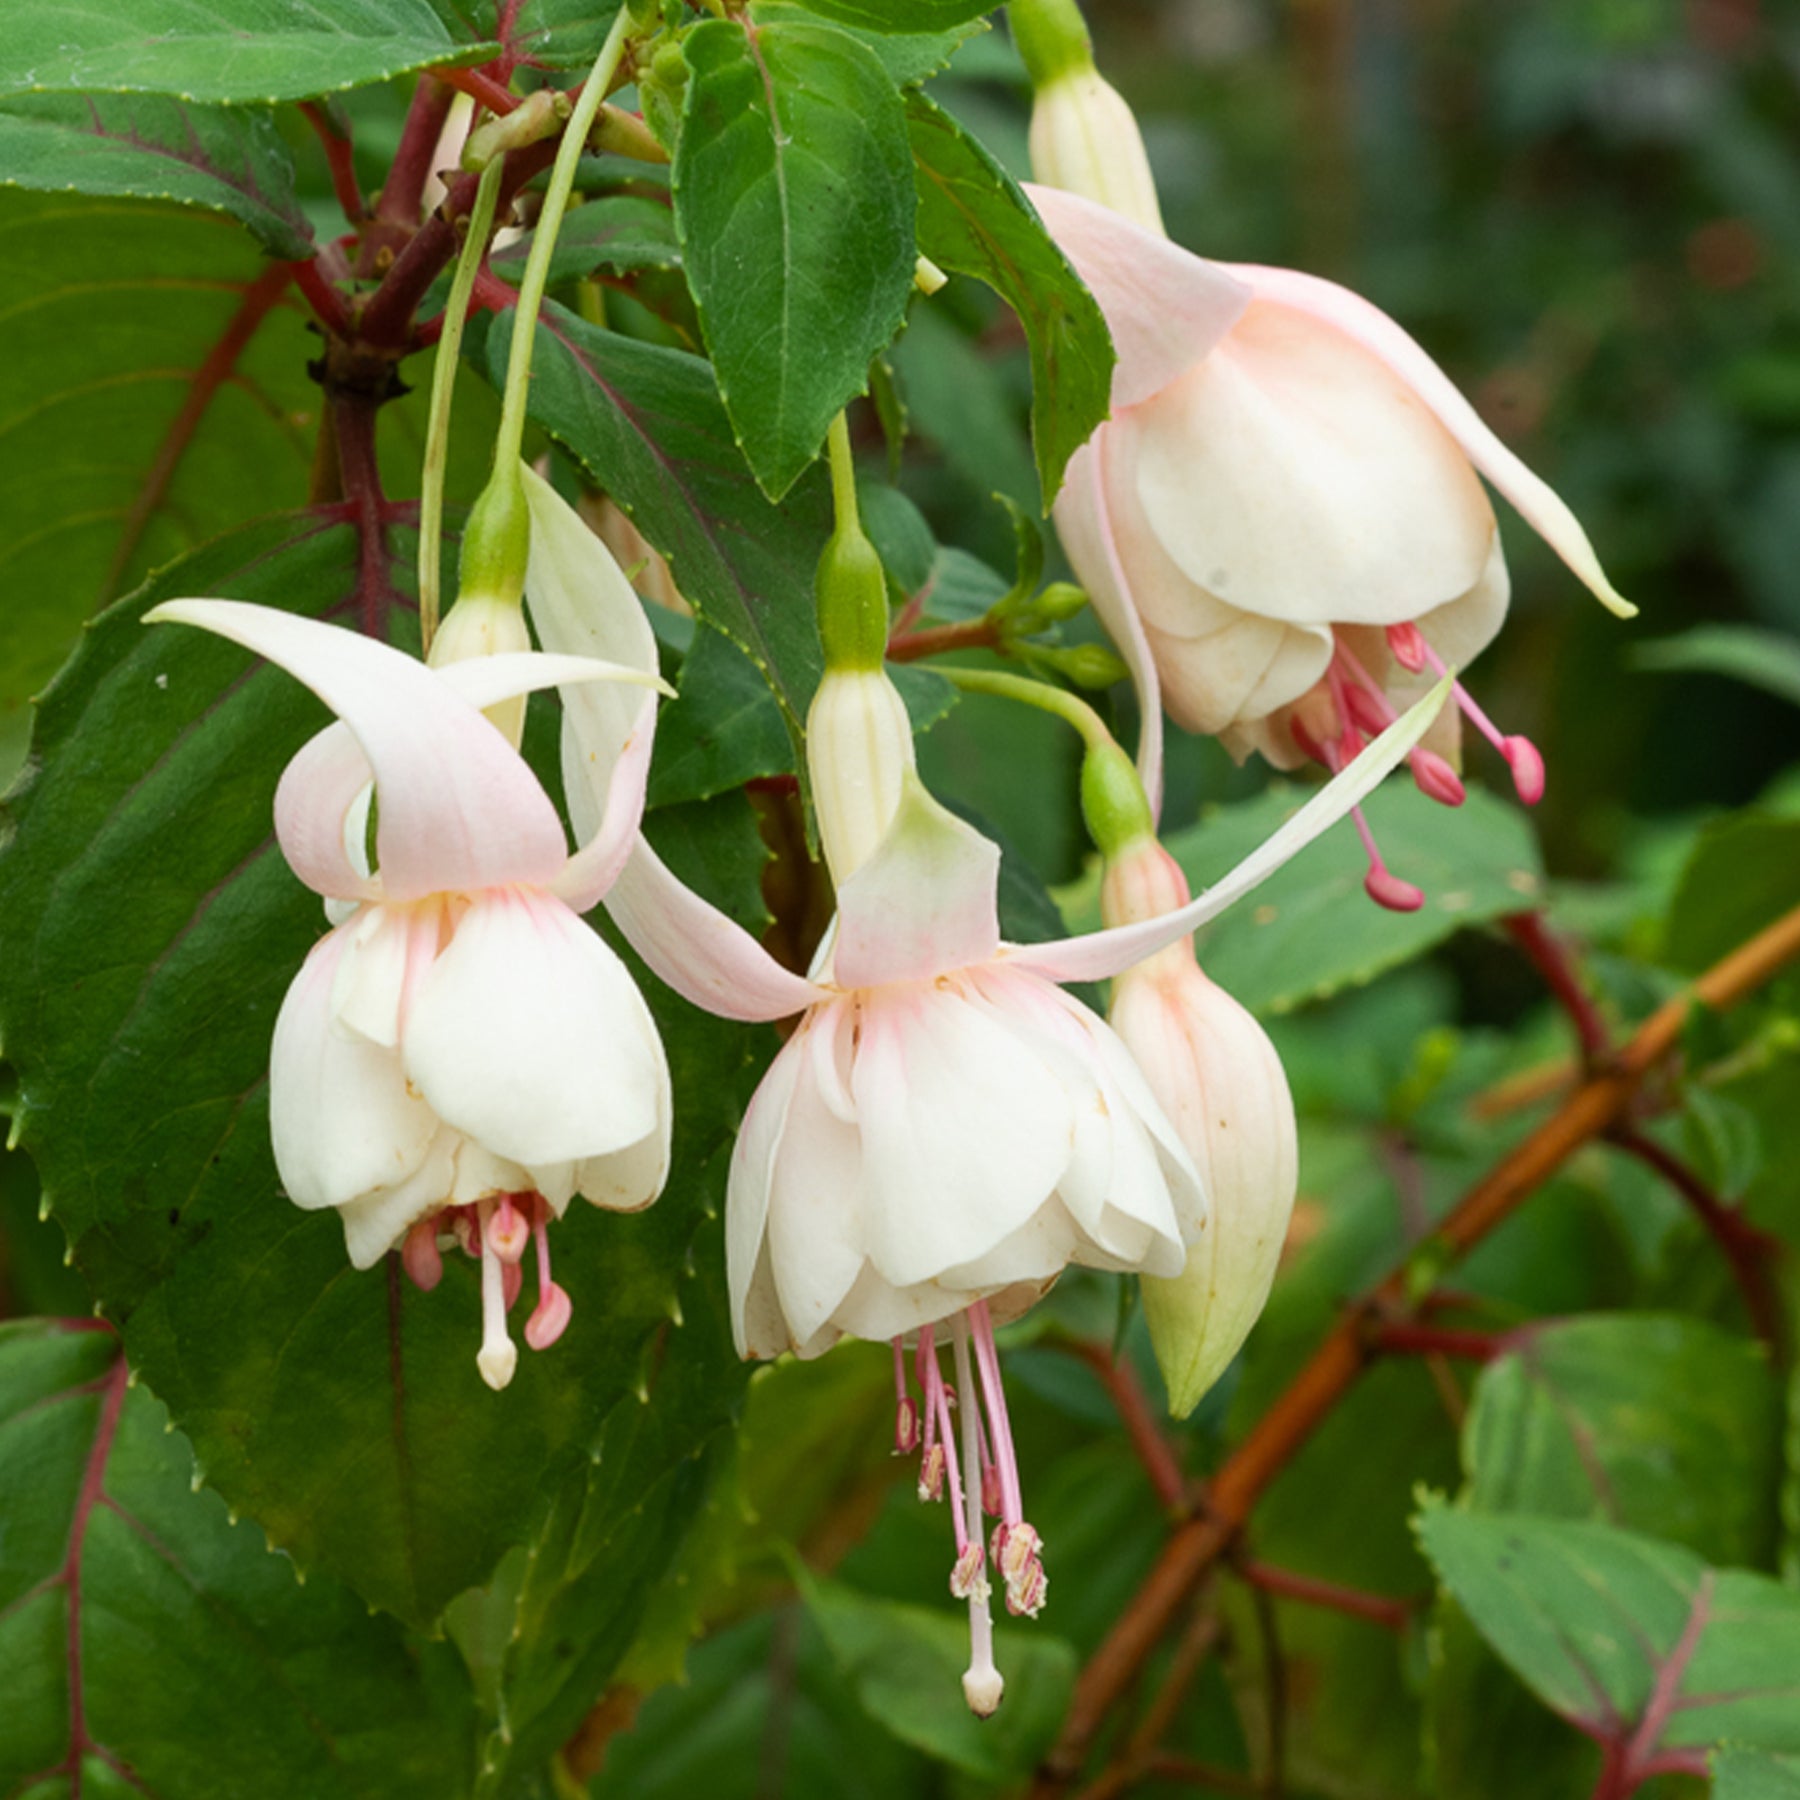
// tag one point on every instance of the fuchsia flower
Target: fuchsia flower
(945, 1130)
(460, 1054)
(1282, 524)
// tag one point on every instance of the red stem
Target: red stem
(1402, 1337)
(1378, 1609)
(1153, 1449)
(479, 85)
(1749, 1252)
(387, 319)
(340, 158)
(935, 640)
(1550, 957)
(327, 303)
(353, 419)
(404, 189)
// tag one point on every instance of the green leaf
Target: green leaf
(1638, 1643)
(899, 15)
(229, 51)
(552, 34)
(341, 1409)
(1743, 874)
(1740, 1774)
(973, 220)
(1309, 931)
(620, 232)
(1769, 660)
(909, 56)
(229, 161)
(115, 1570)
(794, 199)
(905, 1665)
(158, 363)
(647, 424)
(1665, 1425)
(722, 730)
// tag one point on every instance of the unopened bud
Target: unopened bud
(1219, 1080)
(479, 625)
(1087, 665)
(1085, 140)
(1059, 601)
(859, 750)
(536, 117)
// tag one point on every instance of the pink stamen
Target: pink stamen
(512, 1279)
(1381, 884)
(906, 1413)
(509, 1226)
(550, 1318)
(1522, 756)
(1406, 644)
(982, 1683)
(1436, 779)
(420, 1256)
(987, 1359)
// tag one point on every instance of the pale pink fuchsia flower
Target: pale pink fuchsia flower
(460, 1055)
(1282, 524)
(946, 1130)
(1217, 1076)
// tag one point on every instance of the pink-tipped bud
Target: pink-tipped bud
(992, 1494)
(1527, 767)
(1386, 888)
(509, 1229)
(906, 1426)
(512, 1278)
(1406, 643)
(931, 1473)
(420, 1257)
(1436, 779)
(968, 1578)
(549, 1318)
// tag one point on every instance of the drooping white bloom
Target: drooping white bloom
(1283, 523)
(460, 1054)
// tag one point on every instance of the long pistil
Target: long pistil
(983, 1685)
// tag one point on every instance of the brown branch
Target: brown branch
(479, 85)
(1403, 1337)
(353, 426)
(1204, 1631)
(1595, 1108)
(1148, 1439)
(1750, 1252)
(1529, 1087)
(1378, 1609)
(936, 640)
(1550, 956)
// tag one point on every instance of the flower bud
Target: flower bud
(1216, 1075)
(1085, 140)
(479, 625)
(859, 748)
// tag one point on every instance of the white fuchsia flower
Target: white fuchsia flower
(1282, 524)
(460, 1055)
(945, 1130)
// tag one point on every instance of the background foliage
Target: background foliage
(1547, 1543)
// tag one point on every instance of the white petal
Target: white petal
(704, 956)
(1164, 306)
(1294, 475)
(756, 1320)
(529, 1035)
(925, 903)
(377, 1222)
(815, 1212)
(340, 1118)
(965, 1133)
(627, 1179)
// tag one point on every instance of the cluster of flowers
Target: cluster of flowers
(944, 1129)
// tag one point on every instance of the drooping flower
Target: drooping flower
(460, 1055)
(1217, 1076)
(946, 1130)
(1282, 524)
